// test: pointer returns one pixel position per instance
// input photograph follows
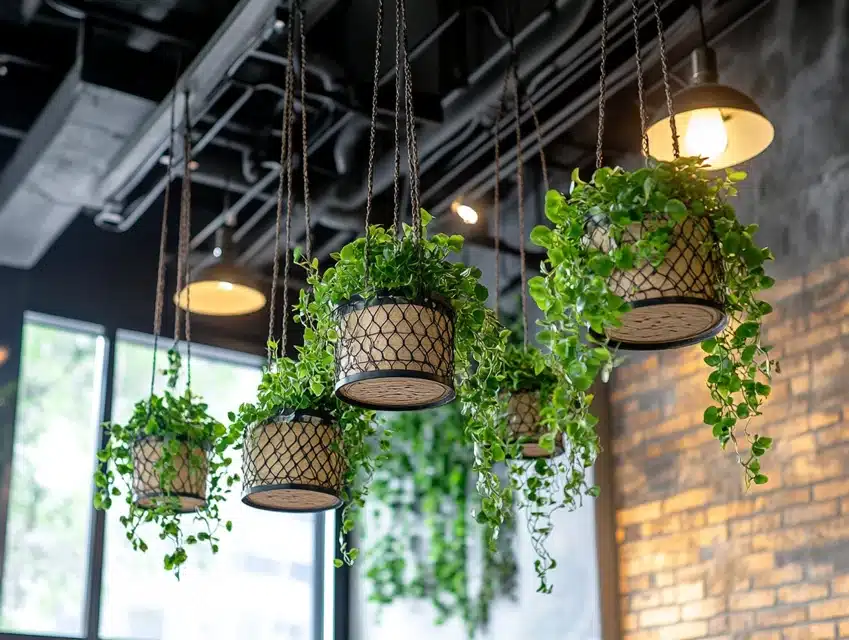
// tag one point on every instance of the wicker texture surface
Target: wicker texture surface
(188, 485)
(293, 464)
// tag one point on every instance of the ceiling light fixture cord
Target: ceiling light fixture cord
(186, 232)
(159, 302)
(664, 66)
(285, 152)
(304, 146)
(644, 138)
(372, 135)
(602, 85)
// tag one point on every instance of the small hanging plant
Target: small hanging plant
(421, 498)
(171, 458)
(298, 469)
(575, 292)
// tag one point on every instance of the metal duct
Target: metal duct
(56, 169)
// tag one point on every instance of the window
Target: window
(47, 535)
(264, 582)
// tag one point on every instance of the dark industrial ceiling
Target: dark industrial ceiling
(85, 100)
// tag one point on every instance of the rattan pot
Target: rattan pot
(292, 463)
(395, 353)
(675, 304)
(523, 421)
(188, 486)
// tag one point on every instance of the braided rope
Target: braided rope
(602, 85)
(644, 138)
(372, 136)
(664, 66)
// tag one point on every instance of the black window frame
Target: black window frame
(327, 586)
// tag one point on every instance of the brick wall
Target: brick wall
(699, 556)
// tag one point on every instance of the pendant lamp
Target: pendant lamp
(223, 288)
(715, 121)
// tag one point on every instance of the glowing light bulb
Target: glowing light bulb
(706, 135)
(466, 213)
(225, 286)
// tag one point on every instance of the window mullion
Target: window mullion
(94, 582)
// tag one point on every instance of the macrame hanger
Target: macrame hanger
(159, 302)
(412, 141)
(664, 67)
(602, 85)
(644, 138)
(372, 136)
(285, 174)
(304, 137)
(183, 242)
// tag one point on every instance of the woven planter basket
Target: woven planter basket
(675, 304)
(395, 353)
(188, 486)
(523, 420)
(292, 463)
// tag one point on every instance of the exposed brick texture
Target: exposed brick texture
(700, 557)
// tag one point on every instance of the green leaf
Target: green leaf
(760, 479)
(764, 442)
(602, 265)
(481, 292)
(675, 209)
(712, 415)
(736, 176)
(337, 563)
(316, 387)
(497, 452)
(708, 346)
(542, 236)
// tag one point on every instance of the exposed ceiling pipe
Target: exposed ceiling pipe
(244, 29)
(547, 34)
(584, 104)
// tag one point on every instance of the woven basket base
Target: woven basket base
(667, 325)
(396, 393)
(292, 500)
(533, 450)
(188, 504)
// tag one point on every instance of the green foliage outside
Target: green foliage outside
(421, 498)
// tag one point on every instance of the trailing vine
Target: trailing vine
(421, 499)
(192, 446)
(574, 295)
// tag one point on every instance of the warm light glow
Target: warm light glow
(220, 298)
(466, 213)
(706, 135)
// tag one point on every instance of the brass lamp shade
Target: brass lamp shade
(221, 290)
(747, 130)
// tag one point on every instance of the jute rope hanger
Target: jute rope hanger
(519, 95)
(403, 89)
(284, 181)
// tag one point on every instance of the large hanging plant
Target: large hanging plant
(171, 458)
(580, 308)
(421, 499)
(410, 267)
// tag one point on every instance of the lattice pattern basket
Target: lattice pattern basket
(188, 486)
(293, 463)
(395, 353)
(523, 421)
(675, 304)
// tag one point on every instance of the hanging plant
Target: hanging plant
(304, 450)
(172, 458)
(421, 499)
(578, 289)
